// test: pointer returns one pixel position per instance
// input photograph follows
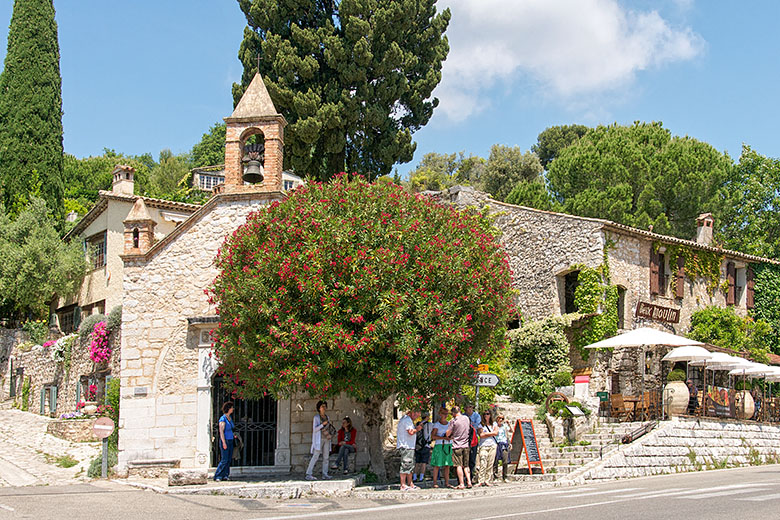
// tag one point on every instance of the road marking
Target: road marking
(761, 498)
(726, 491)
(560, 492)
(344, 512)
(7, 508)
(592, 493)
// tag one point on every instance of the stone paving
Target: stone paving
(28, 453)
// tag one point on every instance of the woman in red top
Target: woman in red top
(346, 443)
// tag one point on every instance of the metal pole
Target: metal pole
(476, 399)
(104, 467)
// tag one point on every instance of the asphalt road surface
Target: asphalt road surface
(711, 495)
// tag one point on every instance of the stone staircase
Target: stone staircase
(690, 445)
(563, 461)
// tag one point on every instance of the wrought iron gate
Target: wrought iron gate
(255, 422)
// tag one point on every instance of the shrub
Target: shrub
(95, 467)
(38, 330)
(743, 385)
(676, 375)
(562, 379)
(112, 406)
(114, 321)
(88, 325)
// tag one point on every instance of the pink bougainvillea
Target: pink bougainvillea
(100, 348)
(49, 343)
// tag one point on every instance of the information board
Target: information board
(528, 445)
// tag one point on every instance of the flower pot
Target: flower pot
(90, 407)
(744, 405)
(676, 397)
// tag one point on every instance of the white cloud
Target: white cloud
(567, 48)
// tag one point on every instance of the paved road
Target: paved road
(713, 495)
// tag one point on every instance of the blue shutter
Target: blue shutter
(78, 391)
(43, 399)
(53, 400)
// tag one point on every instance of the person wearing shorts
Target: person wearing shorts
(458, 431)
(406, 436)
(422, 450)
(442, 450)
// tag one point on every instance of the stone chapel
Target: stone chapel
(171, 395)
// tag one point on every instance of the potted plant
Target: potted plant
(90, 406)
(676, 393)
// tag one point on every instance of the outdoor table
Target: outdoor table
(631, 400)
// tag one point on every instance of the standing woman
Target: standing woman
(487, 449)
(225, 442)
(320, 441)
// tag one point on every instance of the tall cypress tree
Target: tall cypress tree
(31, 155)
(353, 78)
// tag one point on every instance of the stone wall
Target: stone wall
(542, 247)
(9, 339)
(74, 430)
(39, 366)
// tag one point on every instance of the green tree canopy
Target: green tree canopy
(210, 150)
(552, 140)
(507, 166)
(724, 328)
(438, 171)
(31, 109)
(166, 175)
(640, 175)
(352, 77)
(533, 194)
(34, 263)
(751, 207)
(360, 288)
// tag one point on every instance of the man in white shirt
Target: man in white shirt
(406, 438)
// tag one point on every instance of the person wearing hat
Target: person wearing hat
(422, 448)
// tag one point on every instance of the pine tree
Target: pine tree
(353, 78)
(31, 154)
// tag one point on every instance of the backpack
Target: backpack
(423, 440)
(473, 435)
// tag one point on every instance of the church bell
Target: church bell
(253, 172)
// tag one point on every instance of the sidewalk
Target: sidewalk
(297, 487)
(28, 455)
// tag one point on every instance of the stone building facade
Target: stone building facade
(546, 248)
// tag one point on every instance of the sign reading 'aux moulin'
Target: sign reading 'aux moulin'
(657, 313)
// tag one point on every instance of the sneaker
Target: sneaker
(217, 480)
(346, 472)
(327, 477)
(226, 478)
(310, 477)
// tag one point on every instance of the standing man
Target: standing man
(476, 423)
(458, 431)
(406, 436)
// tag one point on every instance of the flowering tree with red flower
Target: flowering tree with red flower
(360, 288)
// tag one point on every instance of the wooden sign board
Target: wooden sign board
(657, 312)
(528, 445)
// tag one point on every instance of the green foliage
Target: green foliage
(210, 150)
(640, 175)
(165, 176)
(95, 467)
(359, 287)
(114, 320)
(31, 110)
(698, 264)
(724, 328)
(539, 351)
(25, 405)
(767, 301)
(85, 177)
(353, 78)
(64, 461)
(563, 378)
(564, 412)
(112, 400)
(743, 384)
(676, 375)
(38, 330)
(552, 140)
(752, 205)
(595, 296)
(87, 325)
(441, 171)
(34, 263)
(506, 167)
(532, 194)
(499, 365)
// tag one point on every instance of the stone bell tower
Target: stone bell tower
(246, 164)
(139, 229)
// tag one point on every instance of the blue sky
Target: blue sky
(141, 76)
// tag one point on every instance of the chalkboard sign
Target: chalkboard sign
(529, 446)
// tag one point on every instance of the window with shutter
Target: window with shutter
(750, 289)
(653, 271)
(661, 275)
(731, 275)
(679, 279)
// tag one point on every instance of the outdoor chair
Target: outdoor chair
(618, 407)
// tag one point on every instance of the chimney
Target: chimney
(139, 229)
(704, 225)
(123, 180)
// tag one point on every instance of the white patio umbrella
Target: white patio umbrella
(688, 353)
(642, 337)
(717, 361)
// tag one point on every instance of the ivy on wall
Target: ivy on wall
(698, 264)
(596, 296)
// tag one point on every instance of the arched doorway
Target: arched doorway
(255, 422)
